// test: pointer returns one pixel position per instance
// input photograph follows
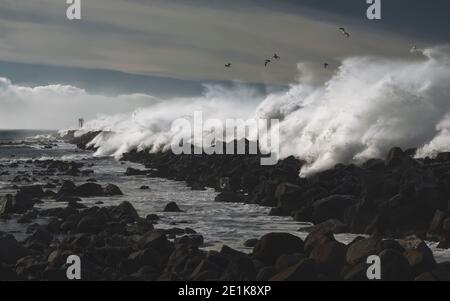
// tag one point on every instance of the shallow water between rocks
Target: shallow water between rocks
(220, 223)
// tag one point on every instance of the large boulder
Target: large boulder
(10, 249)
(305, 270)
(33, 191)
(395, 267)
(67, 188)
(88, 190)
(329, 257)
(418, 254)
(124, 211)
(396, 158)
(332, 207)
(135, 172)
(172, 207)
(361, 249)
(20, 203)
(230, 197)
(273, 245)
(90, 224)
(111, 190)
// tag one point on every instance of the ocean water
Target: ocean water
(220, 223)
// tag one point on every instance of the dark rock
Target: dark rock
(418, 254)
(88, 190)
(302, 271)
(395, 267)
(287, 260)
(332, 225)
(135, 172)
(112, 190)
(332, 207)
(172, 207)
(10, 249)
(230, 197)
(250, 243)
(273, 245)
(89, 224)
(360, 250)
(330, 257)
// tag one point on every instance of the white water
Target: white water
(368, 106)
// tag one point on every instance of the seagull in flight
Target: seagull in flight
(344, 32)
(415, 50)
(228, 65)
(266, 62)
(276, 56)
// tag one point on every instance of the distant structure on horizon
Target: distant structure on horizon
(80, 122)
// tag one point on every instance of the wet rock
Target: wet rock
(32, 191)
(135, 172)
(28, 217)
(287, 260)
(10, 249)
(230, 197)
(89, 224)
(302, 271)
(67, 188)
(418, 254)
(172, 207)
(125, 211)
(250, 243)
(332, 225)
(273, 245)
(395, 267)
(88, 190)
(40, 235)
(329, 256)
(112, 190)
(192, 240)
(360, 250)
(332, 207)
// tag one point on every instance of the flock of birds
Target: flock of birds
(345, 33)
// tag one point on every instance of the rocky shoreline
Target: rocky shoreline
(115, 243)
(395, 197)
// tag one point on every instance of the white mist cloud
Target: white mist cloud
(58, 106)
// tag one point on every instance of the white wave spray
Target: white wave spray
(367, 106)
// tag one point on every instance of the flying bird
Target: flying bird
(276, 56)
(228, 65)
(415, 50)
(266, 62)
(344, 32)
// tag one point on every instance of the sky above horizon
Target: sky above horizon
(191, 40)
(134, 53)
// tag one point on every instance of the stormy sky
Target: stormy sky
(163, 41)
(135, 52)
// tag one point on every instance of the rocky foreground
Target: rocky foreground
(115, 243)
(395, 197)
(399, 197)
